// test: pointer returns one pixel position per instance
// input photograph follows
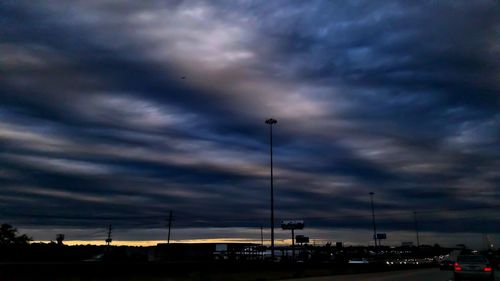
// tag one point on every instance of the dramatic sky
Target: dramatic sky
(115, 112)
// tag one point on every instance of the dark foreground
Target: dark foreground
(407, 275)
(199, 272)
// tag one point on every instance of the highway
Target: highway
(432, 274)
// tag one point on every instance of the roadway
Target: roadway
(432, 274)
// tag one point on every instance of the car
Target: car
(446, 265)
(473, 267)
(96, 258)
(359, 261)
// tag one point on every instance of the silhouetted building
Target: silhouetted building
(204, 251)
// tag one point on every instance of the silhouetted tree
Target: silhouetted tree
(60, 239)
(8, 236)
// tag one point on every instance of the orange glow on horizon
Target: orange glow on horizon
(146, 243)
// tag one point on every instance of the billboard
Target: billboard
(292, 224)
(301, 239)
(381, 236)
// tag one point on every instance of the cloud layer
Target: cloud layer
(119, 112)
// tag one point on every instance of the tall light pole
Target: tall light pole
(373, 220)
(271, 122)
(416, 228)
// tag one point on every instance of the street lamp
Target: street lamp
(271, 122)
(373, 220)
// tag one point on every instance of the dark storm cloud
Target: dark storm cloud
(97, 125)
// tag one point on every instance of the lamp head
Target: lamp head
(271, 121)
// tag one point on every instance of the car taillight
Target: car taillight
(487, 269)
(457, 267)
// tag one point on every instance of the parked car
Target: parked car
(473, 267)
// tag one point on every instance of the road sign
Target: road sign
(301, 239)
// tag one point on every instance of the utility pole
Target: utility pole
(489, 242)
(416, 228)
(169, 226)
(109, 240)
(373, 220)
(261, 236)
(270, 122)
(293, 245)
